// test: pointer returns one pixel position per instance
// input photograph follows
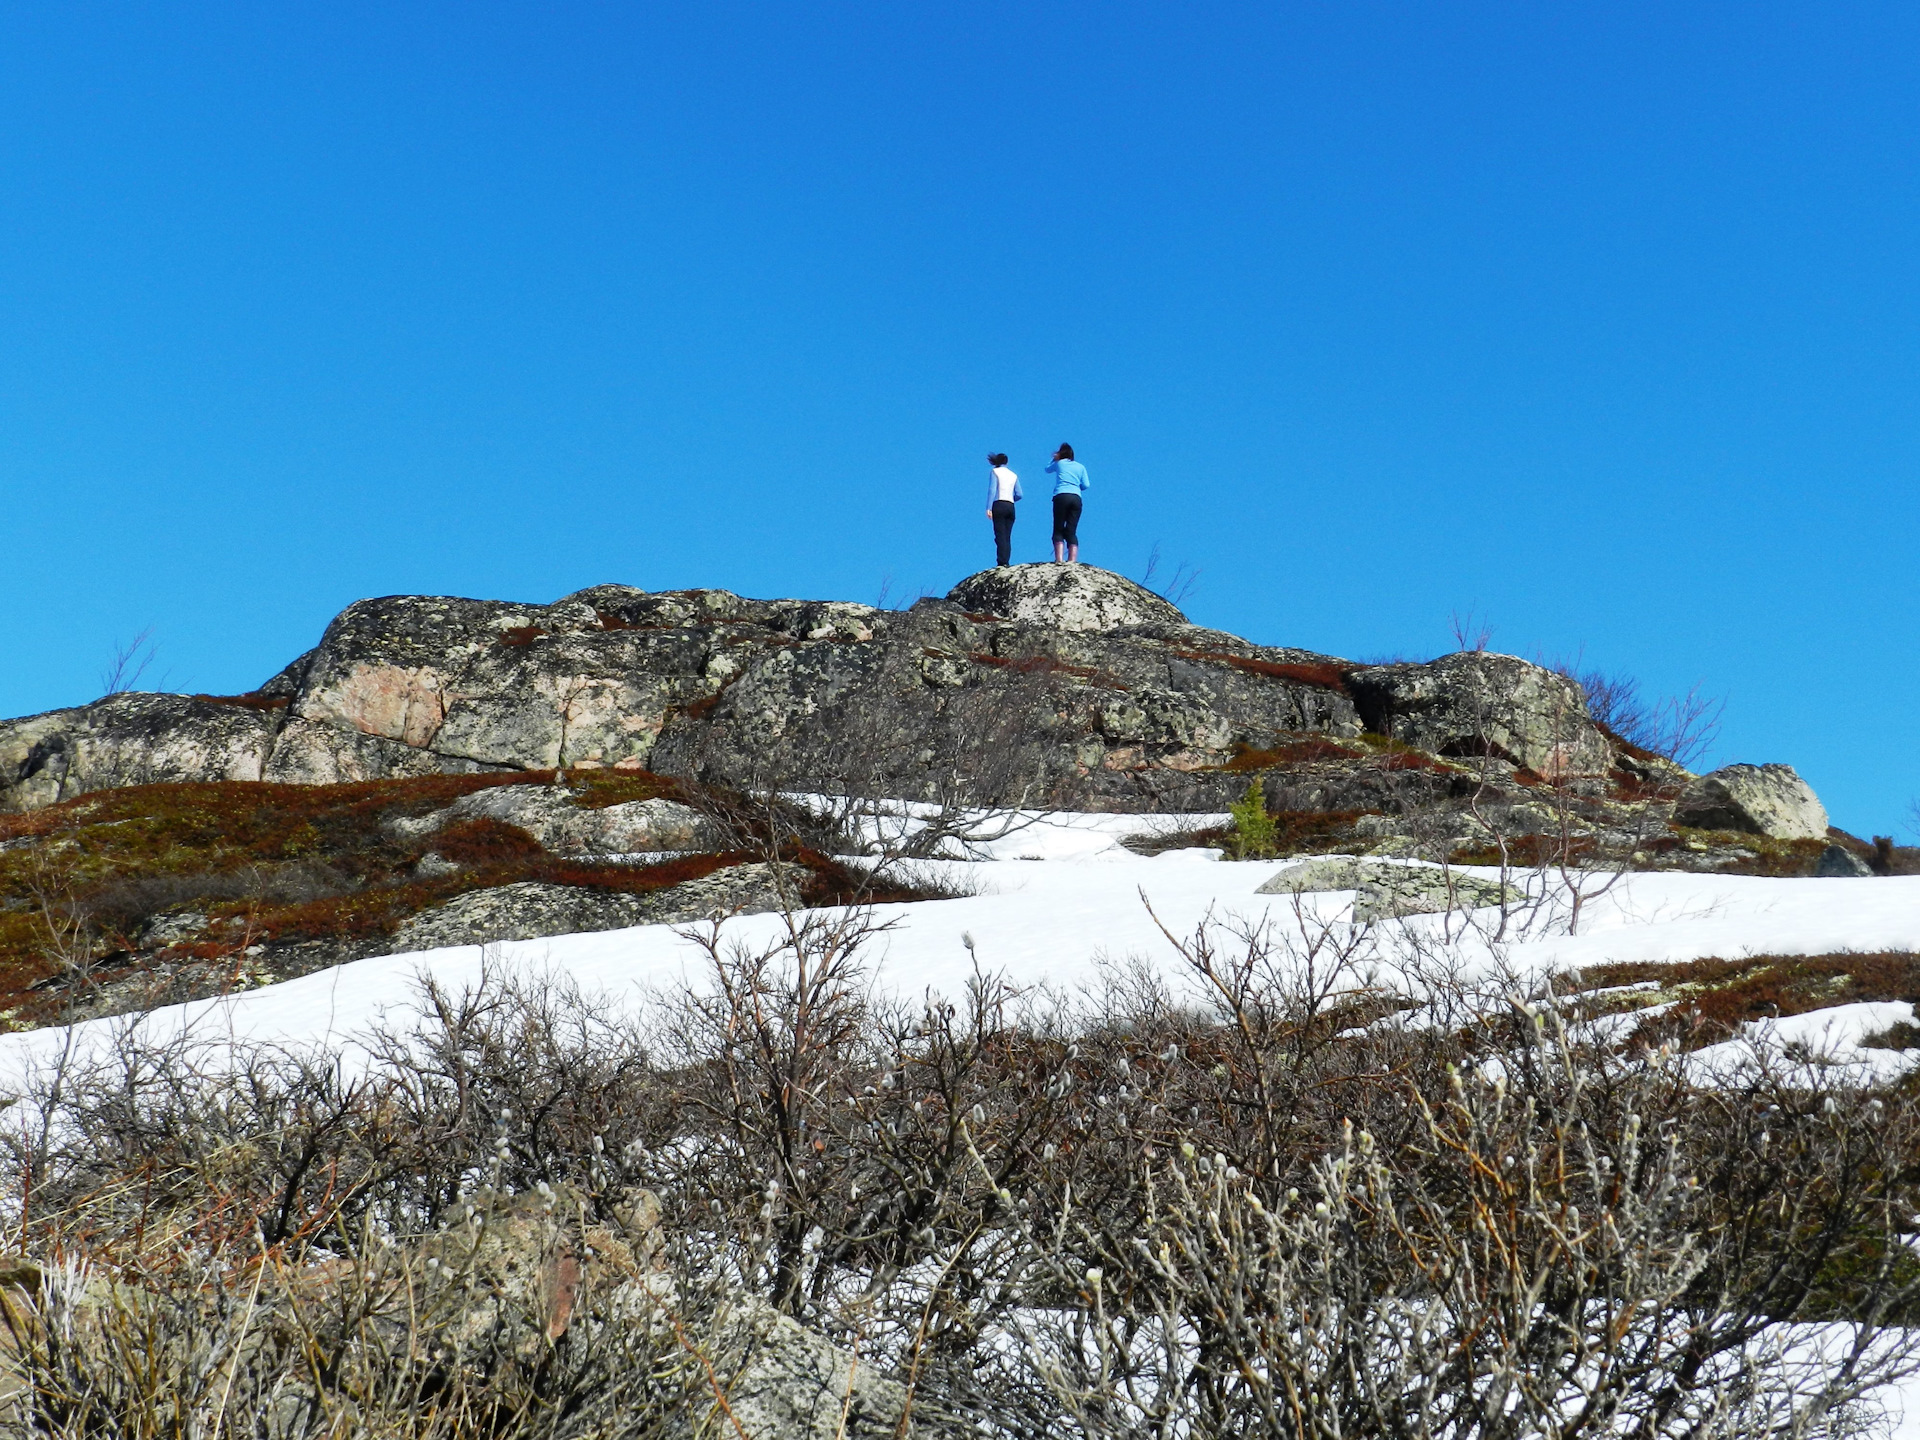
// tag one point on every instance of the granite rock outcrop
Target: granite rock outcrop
(1035, 682)
(1769, 800)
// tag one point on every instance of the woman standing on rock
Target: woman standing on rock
(1003, 488)
(1069, 486)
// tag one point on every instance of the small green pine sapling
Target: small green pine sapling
(1254, 836)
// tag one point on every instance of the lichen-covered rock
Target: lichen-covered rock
(1474, 703)
(1770, 800)
(1385, 891)
(1839, 863)
(1053, 684)
(129, 739)
(1064, 597)
(523, 1267)
(548, 813)
(535, 909)
(307, 752)
(785, 1382)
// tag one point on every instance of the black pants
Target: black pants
(1003, 531)
(1066, 519)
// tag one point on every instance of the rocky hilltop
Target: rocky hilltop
(1071, 674)
(1068, 685)
(443, 771)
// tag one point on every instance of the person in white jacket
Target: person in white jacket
(1003, 488)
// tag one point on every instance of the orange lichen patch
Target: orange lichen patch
(1320, 674)
(1708, 1000)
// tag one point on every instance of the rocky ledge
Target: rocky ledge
(442, 771)
(1063, 680)
(1056, 684)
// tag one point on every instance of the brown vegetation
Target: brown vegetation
(252, 700)
(260, 864)
(1303, 751)
(1046, 665)
(1320, 674)
(1703, 1002)
(1292, 1206)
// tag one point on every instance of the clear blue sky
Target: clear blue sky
(1600, 320)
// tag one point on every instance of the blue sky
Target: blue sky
(1599, 321)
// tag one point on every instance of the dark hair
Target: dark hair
(996, 459)
(1065, 452)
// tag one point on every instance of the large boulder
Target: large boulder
(1770, 800)
(534, 909)
(130, 739)
(1475, 703)
(548, 813)
(1385, 891)
(1063, 684)
(786, 1382)
(1064, 597)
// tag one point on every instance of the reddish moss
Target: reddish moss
(483, 840)
(521, 634)
(1624, 745)
(1320, 674)
(1294, 752)
(252, 700)
(599, 788)
(1710, 999)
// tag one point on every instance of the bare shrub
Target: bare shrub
(1678, 729)
(1520, 1232)
(129, 664)
(1174, 590)
(1471, 631)
(1266, 1193)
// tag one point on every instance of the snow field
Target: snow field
(1052, 904)
(1054, 901)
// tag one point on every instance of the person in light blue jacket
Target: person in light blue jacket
(1069, 485)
